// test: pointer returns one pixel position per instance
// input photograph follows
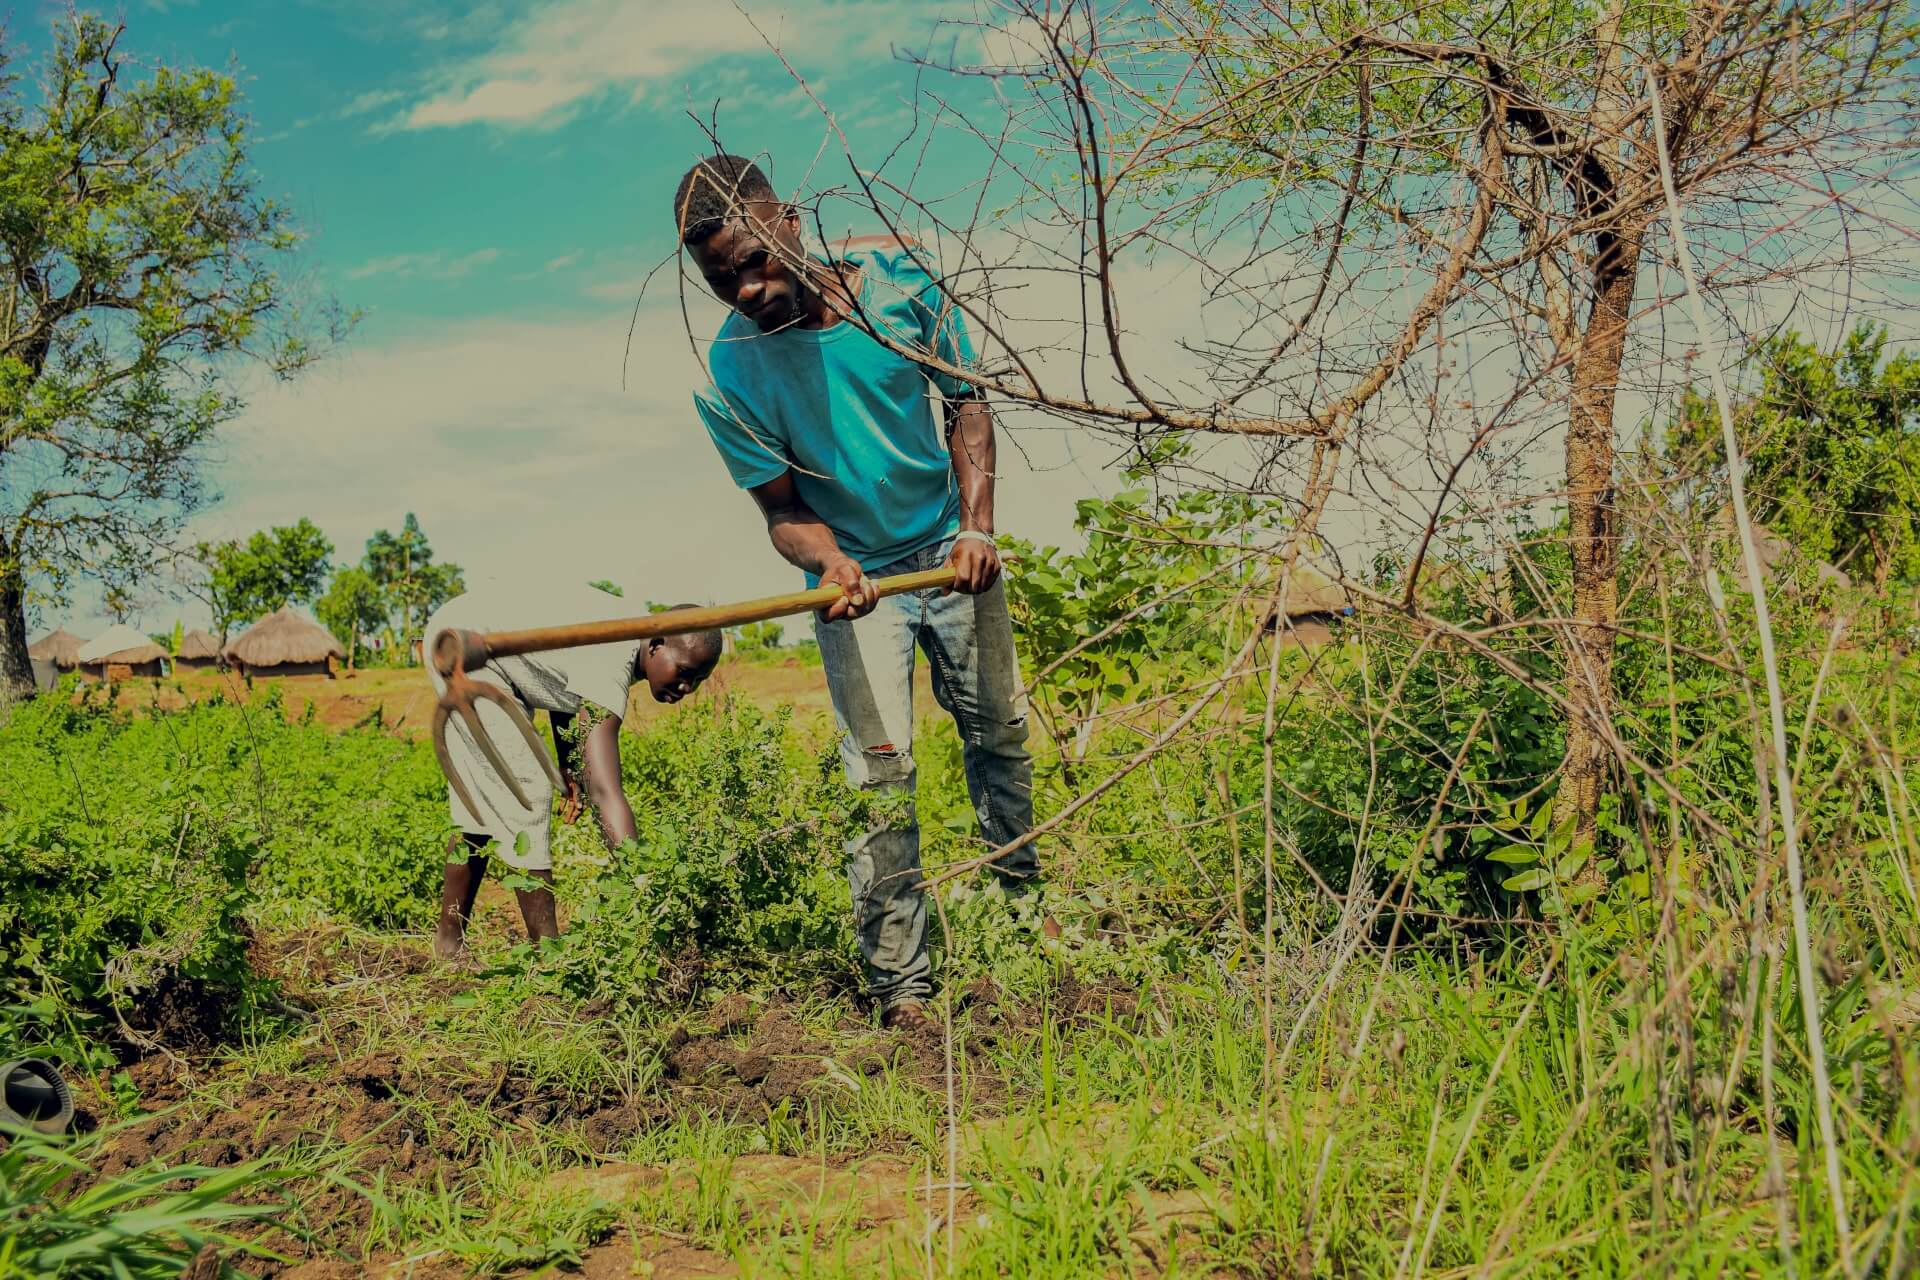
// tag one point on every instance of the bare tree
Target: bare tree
(1366, 192)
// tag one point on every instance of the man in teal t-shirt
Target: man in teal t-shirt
(835, 403)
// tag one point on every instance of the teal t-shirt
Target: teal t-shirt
(856, 423)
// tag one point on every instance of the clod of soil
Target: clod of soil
(731, 1013)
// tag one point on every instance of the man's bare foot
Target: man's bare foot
(449, 948)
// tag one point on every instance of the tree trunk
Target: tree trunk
(16, 669)
(1593, 540)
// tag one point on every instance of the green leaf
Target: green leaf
(1575, 859)
(1517, 855)
(1527, 880)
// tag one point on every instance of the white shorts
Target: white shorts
(523, 834)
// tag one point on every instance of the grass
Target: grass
(1096, 1138)
(1152, 1094)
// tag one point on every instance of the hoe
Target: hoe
(456, 652)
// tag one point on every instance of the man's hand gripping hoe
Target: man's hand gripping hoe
(456, 652)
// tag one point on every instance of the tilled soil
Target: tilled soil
(741, 1060)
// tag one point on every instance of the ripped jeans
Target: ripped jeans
(869, 662)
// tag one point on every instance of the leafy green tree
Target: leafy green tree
(412, 584)
(354, 606)
(1833, 442)
(138, 261)
(609, 586)
(118, 602)
(758, 637)
(275, 567)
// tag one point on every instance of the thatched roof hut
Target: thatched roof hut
(285, 643)
(60, 647)
(197, 649)
(1314, 600)
(1776, 555)
(120, 653)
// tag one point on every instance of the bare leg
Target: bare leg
(459, 886)
(537, 909)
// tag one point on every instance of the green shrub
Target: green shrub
(120, 865)
(132, 847)
(737, 861)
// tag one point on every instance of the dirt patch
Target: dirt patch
(662, 1257)
(781, 1061)
(860, 1210)
(1082, 1005)
(306, 960)
(741, 1060)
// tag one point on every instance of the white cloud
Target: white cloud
(466, 264)
(551, 62)
(563, 261)
(621, 288)
(372, 100)
(433, 264)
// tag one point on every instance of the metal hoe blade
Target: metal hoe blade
(461, 696)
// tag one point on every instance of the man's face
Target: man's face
(671, 674)
(746, 265)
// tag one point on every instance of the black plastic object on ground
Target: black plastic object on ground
(33, 1096)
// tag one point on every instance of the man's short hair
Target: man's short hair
(702, 646)
(713, 191)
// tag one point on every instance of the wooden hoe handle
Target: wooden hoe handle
(469, 650)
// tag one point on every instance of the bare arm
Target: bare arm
(970, 442)
(804, 540)
(602, 758)
(603, 783)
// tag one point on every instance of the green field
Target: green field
(224, 905)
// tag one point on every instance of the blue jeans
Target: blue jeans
(869, 662)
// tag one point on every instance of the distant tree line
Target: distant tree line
(380, 603)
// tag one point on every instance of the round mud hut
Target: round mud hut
(198, 650)
(1314, 605)
(60, 647)
(121, 653)
(57, 651)
(285, 644)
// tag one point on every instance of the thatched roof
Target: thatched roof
(119, 643)
(1314, 598)
(281, 639)
(1312, 590)
(197, 646)
(60, 647)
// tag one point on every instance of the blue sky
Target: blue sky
(490, 184)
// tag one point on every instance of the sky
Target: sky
(490, 185)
